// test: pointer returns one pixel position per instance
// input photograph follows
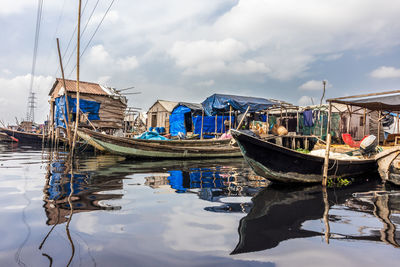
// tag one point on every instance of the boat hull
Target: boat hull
(281, 164)
(151, 150)
(24, 137)
(389, 165)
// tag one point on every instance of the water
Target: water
(107, 211)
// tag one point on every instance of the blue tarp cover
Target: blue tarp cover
(218, 103)
(177, 120)
(86, 106)
(151, 136)
(209, 124)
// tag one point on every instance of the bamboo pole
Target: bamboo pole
(244, 116)
(66, 118)
(297, 122)
(216, 125)
(379, 126)
(77, 77)
(365, 122)
(326, 214)
(230, 117)
(202, 122)
(328, 146)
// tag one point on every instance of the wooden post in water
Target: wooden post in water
(202, 122)
(328, 146)
(77, 77)
(66, 118)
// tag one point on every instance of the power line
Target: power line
(31, 106)
(70, 39)
(94, 33)
(83, 32)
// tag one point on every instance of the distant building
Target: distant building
(158, 114)
(103, 106)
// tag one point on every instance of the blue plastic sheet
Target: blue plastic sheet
(86, 106)
(218, 103)
(209, 124)
(177, 120)
(151, 136)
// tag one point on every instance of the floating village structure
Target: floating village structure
(101, 107)
(158, 114)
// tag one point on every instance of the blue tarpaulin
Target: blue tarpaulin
(151, 136)
(209, 124)
(218, 103)
(177, 120)
(86, 106)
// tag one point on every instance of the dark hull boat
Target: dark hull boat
(389, 165)
(149, 149)
(24, 137)
(281, 164)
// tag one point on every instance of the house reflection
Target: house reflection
(215, 184)
(85, 191)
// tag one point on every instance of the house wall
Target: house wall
(162, 117)
(111, 111)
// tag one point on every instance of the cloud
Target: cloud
(385, 72)
(306, 100)
(314, 85)
(206, 83)
(128, 63)
(226, 56)
(14, 97)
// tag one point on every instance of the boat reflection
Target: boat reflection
(281, 213)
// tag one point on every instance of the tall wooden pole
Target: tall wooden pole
(328, 146)
(365, 122)
(77, 76)
(230, 117)
(379, 126)
(66, 117)
(202, 122)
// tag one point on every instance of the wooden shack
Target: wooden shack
(158, 114)
(109, 105)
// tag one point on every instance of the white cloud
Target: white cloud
(314, 85)
(306, 100)
(14, 97)
(99, 56)
(206, 83)
(128, 63)
(9, 7)
(103, 79)
(385, 72)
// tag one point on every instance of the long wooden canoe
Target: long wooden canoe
(135, 148)
(281, 164)
(24, 137)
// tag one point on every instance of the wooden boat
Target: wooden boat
(5, 138)
(24, 137)
(389, 165)
(135, 148)
(281, 164)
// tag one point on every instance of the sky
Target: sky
(186, 50)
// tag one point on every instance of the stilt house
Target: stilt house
(101, 107)
(158, 114)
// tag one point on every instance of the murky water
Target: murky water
(106, 211)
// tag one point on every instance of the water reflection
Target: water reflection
(284, 213)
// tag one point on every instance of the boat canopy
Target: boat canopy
(218, 103)
(382, 101)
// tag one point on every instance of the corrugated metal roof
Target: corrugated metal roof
(84, 87)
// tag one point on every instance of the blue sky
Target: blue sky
(187, 50)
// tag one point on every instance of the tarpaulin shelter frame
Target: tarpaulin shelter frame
(383, 101)
(222, 103)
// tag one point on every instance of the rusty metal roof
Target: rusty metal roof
(84, 87)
